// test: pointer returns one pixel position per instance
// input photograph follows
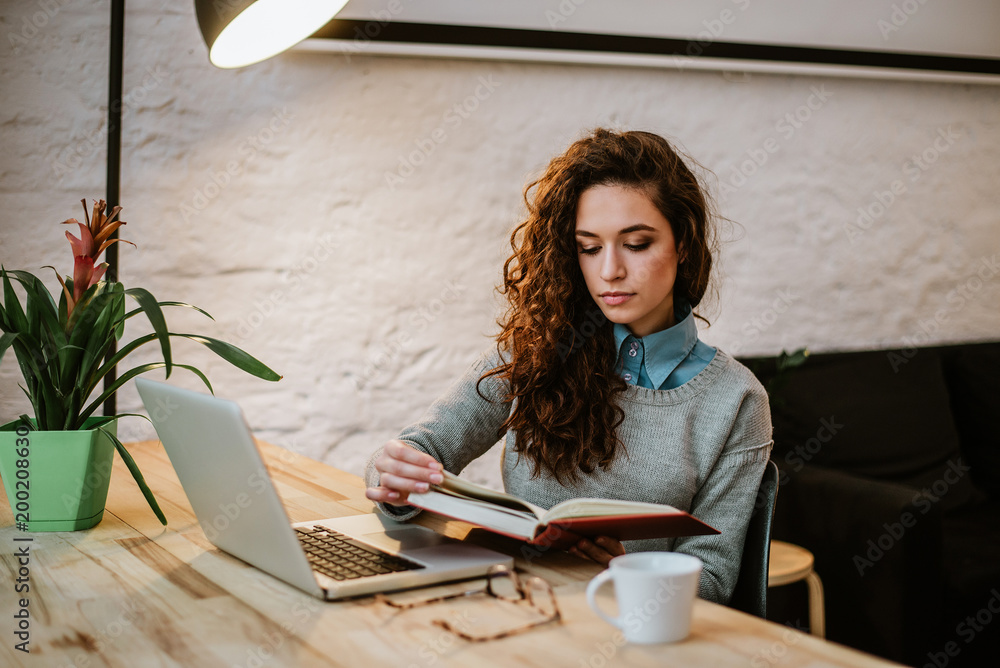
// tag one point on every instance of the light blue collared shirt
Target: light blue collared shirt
(666, 359)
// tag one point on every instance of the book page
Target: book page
(509, 521)
(457, 486)
(603, 507)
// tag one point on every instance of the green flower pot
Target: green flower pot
(66, 484)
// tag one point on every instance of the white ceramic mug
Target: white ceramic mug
(655, 593)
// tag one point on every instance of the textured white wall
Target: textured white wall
(265, 196)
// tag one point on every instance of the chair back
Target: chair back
(750, 594)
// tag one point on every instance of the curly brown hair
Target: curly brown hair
(560, 369)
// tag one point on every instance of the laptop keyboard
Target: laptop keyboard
(342, 558)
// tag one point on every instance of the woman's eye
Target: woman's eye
(590, 251)
(637, 247)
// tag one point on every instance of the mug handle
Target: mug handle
(592, 588)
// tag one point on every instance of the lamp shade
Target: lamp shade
(243, 32)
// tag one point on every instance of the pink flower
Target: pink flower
(94, 240)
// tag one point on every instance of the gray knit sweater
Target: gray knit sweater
(701, 447)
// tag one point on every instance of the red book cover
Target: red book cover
(566, 532)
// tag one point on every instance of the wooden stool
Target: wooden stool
(791, 563)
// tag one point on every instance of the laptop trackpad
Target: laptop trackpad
(405, 539)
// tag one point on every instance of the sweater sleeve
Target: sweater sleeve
(458, 427)
(726, 499)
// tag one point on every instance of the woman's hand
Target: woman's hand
(403, 469)
(602, 549)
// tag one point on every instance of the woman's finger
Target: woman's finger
(610, 545)
(396, 449)
(403, 484)
(385, 495)
(594, 552)
(403, 470)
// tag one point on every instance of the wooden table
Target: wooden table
(131, 592)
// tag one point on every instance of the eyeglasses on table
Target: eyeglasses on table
(504, 584)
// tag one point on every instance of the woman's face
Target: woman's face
(628, 257)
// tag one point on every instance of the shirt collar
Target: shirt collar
(666, 349)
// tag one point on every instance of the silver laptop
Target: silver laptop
(225, 479)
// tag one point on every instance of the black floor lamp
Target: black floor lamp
(237, 33)
(114, 163)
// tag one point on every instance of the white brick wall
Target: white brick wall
(262, 196)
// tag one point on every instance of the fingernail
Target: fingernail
(393, 495)
(437, 477)
(423, 486)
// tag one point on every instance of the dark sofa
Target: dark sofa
(890, 474)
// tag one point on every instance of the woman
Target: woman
(599, 383)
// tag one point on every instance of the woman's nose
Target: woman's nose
(612, 266)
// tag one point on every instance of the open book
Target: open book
(562, 525)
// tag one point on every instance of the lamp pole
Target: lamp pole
(117, 42)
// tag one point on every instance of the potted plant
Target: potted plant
(57, 465)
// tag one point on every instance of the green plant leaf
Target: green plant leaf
(42, 309)
(34, 406)
(84, 312)
(119, 311)
(148, 303)
(137, 311)
(235, 356)
(94, 377)
(228, 352)
(137, 475)
(101, 421)
(99, 339)
(14, 316)
(127, 376)
(6, 341)
(792, 360)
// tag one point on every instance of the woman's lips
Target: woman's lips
(616, 299)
